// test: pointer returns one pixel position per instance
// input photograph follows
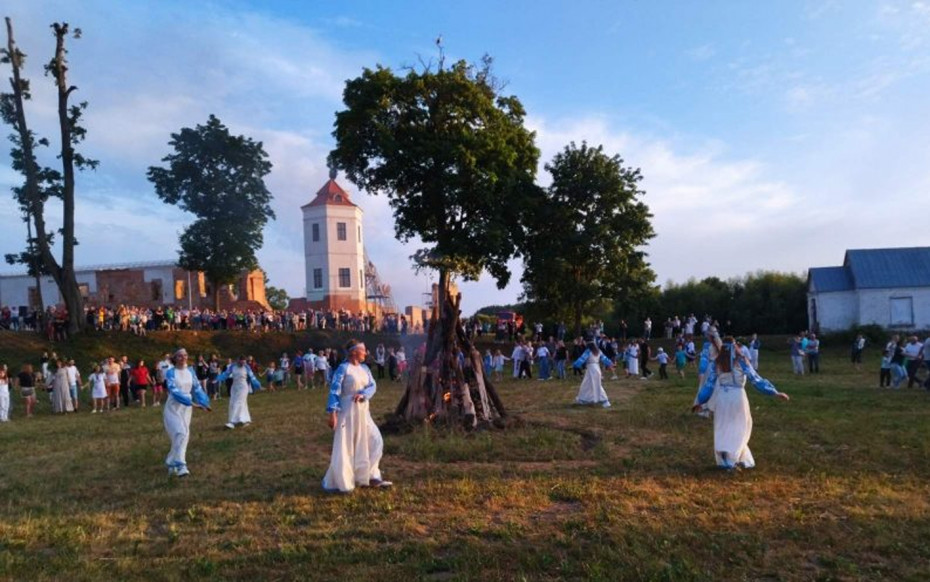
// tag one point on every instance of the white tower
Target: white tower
(333, 251)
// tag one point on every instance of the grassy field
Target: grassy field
(841, 490)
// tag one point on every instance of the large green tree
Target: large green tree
(41, 183)
(219, 178)
(584, 244)
(456, 163)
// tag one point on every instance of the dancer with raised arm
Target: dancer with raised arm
(726, 381)
(592, 388)
(243, 381)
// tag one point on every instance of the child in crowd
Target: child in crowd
(98, 384)
(401, 363)
(269, 374)
(662, 358)
(884, 374)
(322, 368)
(498, 364)
(681, 360)
(284, 369)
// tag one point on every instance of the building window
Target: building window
(84, 288)
(316, 232)
(345, 276)
(179, 292)
(361, 277)
(359, 233)
(341, 231)
(317, 278)
(902, 311)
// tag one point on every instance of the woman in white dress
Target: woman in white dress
(184, 393)
(632, 359)
(243, 381)
(61, 390)
(4, 394)
(98, 384)
(726, 381)
(592, 389)
(357, 444)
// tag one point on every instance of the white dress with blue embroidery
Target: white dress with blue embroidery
(243, 380)
(357, 443)
(592, 388)
(732, 418)
(183, 390)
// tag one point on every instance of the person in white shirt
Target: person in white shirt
(98, 385)
(322, 368)
(517, 357)
(74, 380)
(913, 351)
(542, 355)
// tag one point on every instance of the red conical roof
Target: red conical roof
(332, 194)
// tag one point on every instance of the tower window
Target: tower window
(316, 232)
(341, 231)
(360, 234)
(317, 278)
(345, 278)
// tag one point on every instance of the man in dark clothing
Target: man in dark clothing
(644, 355)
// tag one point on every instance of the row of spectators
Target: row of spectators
(140, 320)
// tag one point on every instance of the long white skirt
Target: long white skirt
(592, 389)
(239, 403)
(357, 448)
(632, 366)
(4, 402)
(178, 426)
(61, 397)
(732, 427)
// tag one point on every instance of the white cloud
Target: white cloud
(852, 172)
(703, 52)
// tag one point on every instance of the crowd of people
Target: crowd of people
(723, 366)
(140, 320)
(116, 382)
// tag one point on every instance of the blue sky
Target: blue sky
(771, 135)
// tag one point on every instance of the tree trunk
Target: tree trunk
(34, 198)
(70, 291)
(442, 388)
(37, 271)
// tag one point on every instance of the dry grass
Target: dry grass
(840, 492)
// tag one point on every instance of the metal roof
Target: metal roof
(888, 268)
(830, 279)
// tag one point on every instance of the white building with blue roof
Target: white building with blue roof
(886, 287)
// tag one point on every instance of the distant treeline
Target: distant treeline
(764, 302)
(761, 302)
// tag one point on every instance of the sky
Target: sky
(771, 135)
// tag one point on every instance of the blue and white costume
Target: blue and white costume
(732, 419)
(243, 382)
(708, 353)
(357, 443)
(183, 390)
(592, 390)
